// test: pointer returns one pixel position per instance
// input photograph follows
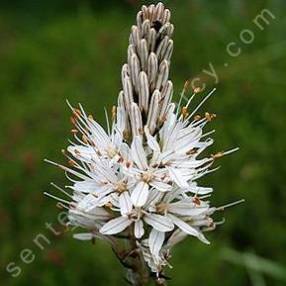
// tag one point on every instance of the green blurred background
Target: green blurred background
(53, 50)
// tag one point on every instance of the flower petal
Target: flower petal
(178, 178)
(82, 153)
(161, 186)
(115, 225)
(125, 203)
(88, 203)
(159, 222)
(83, 236)
(86, 186)
(138, 229)
(151, 141)
(156, 240)
(177, 236)
(187, 228)
(138, 153)
(185, 208)
(100, 214)
(140, 194)
(200, 190)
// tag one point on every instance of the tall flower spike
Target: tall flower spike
(145, 76)
(137, 181)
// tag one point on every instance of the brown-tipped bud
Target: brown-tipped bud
(152, 40)
(167, 16)
(163, 75)
(128, 93)
(135, 37)
(143, 92)
(167, 94)
(136, 120)
(134, 70)
(161, 50)
(146, 28)
(153, 111)
(152, 68)
(159, 11)
(169, 50)
(143, 54)
(124, 72)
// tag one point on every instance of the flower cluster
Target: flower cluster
(139, 178)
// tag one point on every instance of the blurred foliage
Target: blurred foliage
(51, 51)
(256, 266)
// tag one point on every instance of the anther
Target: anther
(185, 112)
(197, 117)
(113, 112)
(85, 139)
(72, 163)
(210, 116)
(196, 201)
(108, 205)
(77, 112)
(192, 151)
(197, 90)
(73, 120)
(186, 85)
(217, 155)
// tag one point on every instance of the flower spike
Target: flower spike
(137, 181)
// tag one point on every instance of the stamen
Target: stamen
(224, 153)
(190, 99)
(217, 155)
(205, 197)
(77, 112)
(222, 208)
(61, 190)
(107, 121)
(184, 112)
(77, 174)
(197, 90)
(208, 133)
(72, 120)
(56, 198)
(182, 95)
(113, 112)
(231, 151)
(220, 222)
(202, 102)
(210, 116)
(197, 117)
(62, 206)
(196, 200)
(162, 208)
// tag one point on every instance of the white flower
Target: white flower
(139, 178)
(137, 217)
